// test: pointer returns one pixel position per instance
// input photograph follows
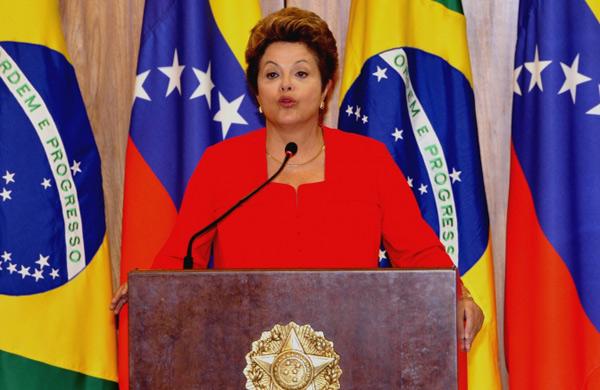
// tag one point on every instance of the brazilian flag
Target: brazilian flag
(407, 83)
(56, 331)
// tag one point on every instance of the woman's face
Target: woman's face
(289, 84)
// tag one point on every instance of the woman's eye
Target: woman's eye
(271, 75)
(302, 74)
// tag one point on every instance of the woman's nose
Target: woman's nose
(285, 87)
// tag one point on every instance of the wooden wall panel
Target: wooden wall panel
(103, 40)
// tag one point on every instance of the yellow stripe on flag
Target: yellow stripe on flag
(66, 326)
(236, 30)
(484, 372)
(33, 21)
(595, 6)
(423, 24)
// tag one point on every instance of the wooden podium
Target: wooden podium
(392, 329)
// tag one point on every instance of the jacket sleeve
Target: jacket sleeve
(408, 239)
(197, 211)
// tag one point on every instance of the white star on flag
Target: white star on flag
(572, 78)
(206, 84)
(516, 74)
(38, 275)
(54, 273)
(43, 261)
(12, 268)
(9, 177)
(6, 256)
(595, 110)
(409, 181)
(536, 68)
(365, 119)
(357, 113)
(380, 74)
(5, 194)
(24, 271)
(46, 183)
(140, 92)
(455, 175)
(349, 111)
(173, 72)
(75, 167)
(382, 254)
(228, 113)
(423, 189)
(397, 134)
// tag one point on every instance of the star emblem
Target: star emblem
(12, 268)
(516, 74)
(423, 189)
(24, 271)
(54, 273)
(349, 110)
(382, 254)
(140, 92)
(292, 365)
(9, 177)
(46, 183)
(37, 275)
(380, 74)
(5, 194)
(173, 72)
(397, 134)
(572, 78)
(536, 68)
(409, 181)
(206, 84)
(75, 168)
(43, 261)
(455, 175)
(6, 256)
(357, 113)
(365, 119)
(228, 113)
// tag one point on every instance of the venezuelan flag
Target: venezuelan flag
(552, 322)
(407, 82)
(190, 93)
(55, 282)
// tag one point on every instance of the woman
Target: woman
(334, 203)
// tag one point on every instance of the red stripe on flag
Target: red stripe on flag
(549, 341)
(148, 217)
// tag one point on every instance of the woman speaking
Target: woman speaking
(336, 201)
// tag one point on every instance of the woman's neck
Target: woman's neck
(309, 139)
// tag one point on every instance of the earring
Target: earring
(260, 109)
(322, 105)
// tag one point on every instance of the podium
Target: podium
(392, 329)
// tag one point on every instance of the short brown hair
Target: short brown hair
(292, 25)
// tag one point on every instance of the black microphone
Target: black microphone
(188, 261)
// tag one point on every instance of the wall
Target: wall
(103, 40)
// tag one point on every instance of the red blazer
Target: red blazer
(337, 223)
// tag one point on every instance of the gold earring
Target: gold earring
(322, 106)
(260, 109)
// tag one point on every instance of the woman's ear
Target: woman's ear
(326, 90)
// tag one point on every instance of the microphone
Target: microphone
(188, 261)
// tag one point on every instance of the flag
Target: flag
(552, 307)
(190, 93)
(407, 83)
(56, 331)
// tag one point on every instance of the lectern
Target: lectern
(293, 329)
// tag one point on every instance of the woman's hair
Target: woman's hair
(292, 25)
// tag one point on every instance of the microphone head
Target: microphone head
(291, 149)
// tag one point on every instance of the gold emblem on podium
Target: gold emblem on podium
(292, 357)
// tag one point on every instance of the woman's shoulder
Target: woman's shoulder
(239, 145)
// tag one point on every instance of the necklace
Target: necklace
(302, 163)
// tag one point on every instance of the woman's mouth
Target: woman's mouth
(286, 102)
